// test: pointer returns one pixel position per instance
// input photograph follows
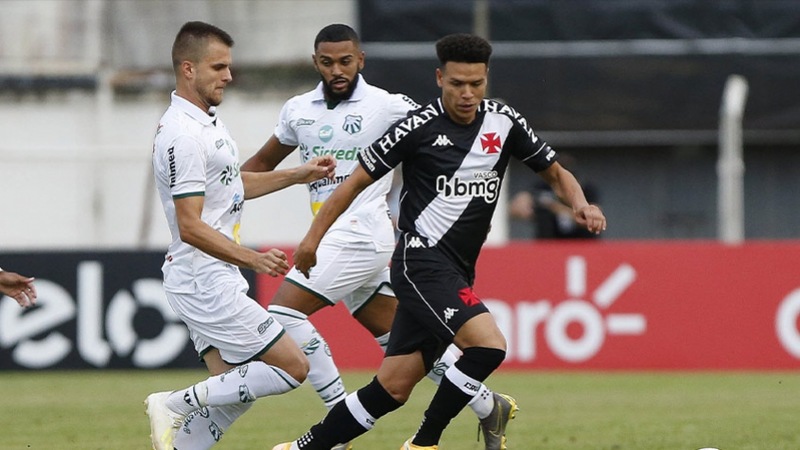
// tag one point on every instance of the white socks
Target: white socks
(246, 383)
(324, 375)
(212, 405)
(242, 384)
(204, 427)
(483, 402)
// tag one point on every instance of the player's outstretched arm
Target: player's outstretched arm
(18, 287)
(257, 184)
(569, 191)
(305, 256)
(200, 235)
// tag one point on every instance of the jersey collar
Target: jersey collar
(358, 94)
(189, 108)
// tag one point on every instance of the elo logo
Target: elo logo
(557, 319)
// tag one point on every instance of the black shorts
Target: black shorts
(434, 301)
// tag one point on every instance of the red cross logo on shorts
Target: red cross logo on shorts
(490, 143)
(468, 296)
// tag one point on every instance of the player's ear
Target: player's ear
(439, 74)
(187, 69)
(314, 61)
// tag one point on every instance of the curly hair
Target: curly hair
(336, 32)
(461, 47)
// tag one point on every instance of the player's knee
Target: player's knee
(399, 388)
(479, 362)
(298, 368)
(382, 398)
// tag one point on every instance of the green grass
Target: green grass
(90, 410)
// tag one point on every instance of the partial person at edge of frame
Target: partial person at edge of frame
(18, 287)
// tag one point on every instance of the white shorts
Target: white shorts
(228, 320)
(353, 272)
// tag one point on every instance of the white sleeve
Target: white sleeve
(189, 161)
(398, 106)
(284, 130)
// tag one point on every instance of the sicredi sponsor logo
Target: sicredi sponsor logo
(342, 154)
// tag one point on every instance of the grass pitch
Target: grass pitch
(90, 410)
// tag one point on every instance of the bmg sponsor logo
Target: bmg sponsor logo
(486, 188)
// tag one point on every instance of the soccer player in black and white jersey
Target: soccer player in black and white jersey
(454, 152)
(340, 116)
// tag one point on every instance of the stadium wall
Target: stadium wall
(677, 305)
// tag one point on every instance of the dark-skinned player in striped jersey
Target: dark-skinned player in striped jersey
(454, 152)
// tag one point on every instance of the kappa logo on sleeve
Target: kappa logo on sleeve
(449, 313)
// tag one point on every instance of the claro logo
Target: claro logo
(520, 325)
(786, 320)
(38, 340)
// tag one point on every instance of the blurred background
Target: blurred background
(680, 117)
(631, 91)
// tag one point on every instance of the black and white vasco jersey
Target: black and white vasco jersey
(452, 172)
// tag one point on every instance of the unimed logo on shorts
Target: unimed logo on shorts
(584, 310)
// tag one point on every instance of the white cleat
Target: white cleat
(347, 446)
(164, 422)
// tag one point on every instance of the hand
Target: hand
(316, 168)
(272, 262)
(305, 257)
(592, 218)
(19, 288)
